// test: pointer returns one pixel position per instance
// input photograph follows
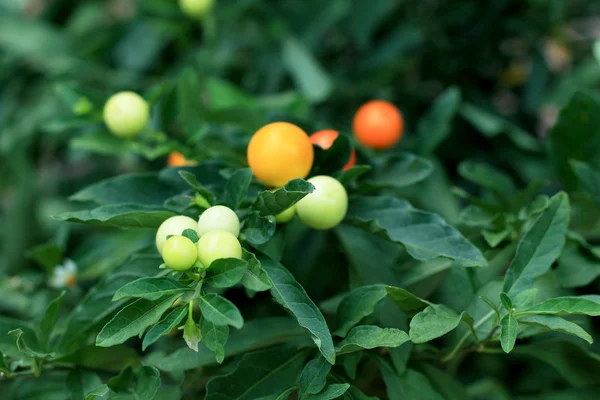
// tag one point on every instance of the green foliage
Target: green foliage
(468, 261)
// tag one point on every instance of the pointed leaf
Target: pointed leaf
(151, 288)
(566, 305)
(226, 272)
(313, 377)
(434, 321)
(82, 383)
(259, 374)
(436, 125)
(273, 202)
(406, 301)
(330, 392)
(48, 321)
(358, 304)
(370, 336)
(214, 337)
(506, 302)
(291, 295)
(192, 181)
(400, 171)
(166, 325)
(539, 247)
(557, 324)
(220, 311)
(425, 235)
(508, 332)
(258, 230)
(119, 215)
(236, 188)
(255, 277)
(132, 320)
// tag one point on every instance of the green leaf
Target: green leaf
(400, 171)
(111, 359)
(589, 178)
(488, 178)
(147, 382)
(192, 181)
(255, 277)
(292, 296)
(119, 215)
(347, 176)
(259, 374)
(3, 366)
(557, 324)
(331, 392)
(220, 311)
(255, 334)
(122, 381)
(410, 385)
(274, 202)
(358, 304)
(450, 387)
(151, 288)
(166, 325)
(332, 160)
(134, 188)
(190, 107)
(191, 234)
(98, 391)
(539, 247)
(48, 321)
(313, 377)
(258, 230)
(28, 345)
(308, 75)
(81, 383)
(132, 320)
(214, 338)
(226, 272)
(425, 235)
(578, 124)
(436, 125)
(578, 366)
(576, 267)
(506, 302)
(369, 336)
(508, 332)
(434, 321)
(495, 238)
(565, 305)
(236, 188)
(406, 301)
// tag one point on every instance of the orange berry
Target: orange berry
(378, 124)
(325, 138)
(176, 159)
(279, 152)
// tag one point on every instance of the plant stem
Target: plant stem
(466, 336)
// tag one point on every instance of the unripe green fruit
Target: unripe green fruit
(286, 215)
(326, 206)
(216, 245)
(219, 218)
(179, 253)
(196, 8)
(173, 226)
(126, 114)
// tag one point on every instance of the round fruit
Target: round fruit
(286, 215)
(179, 253)
(216, 245)
(173, 226)
(126, 114)
(176, 159)
(219, 218)
(326, 206)
(378, 124)
(196, 8)
(325, 138)
(279, 152)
